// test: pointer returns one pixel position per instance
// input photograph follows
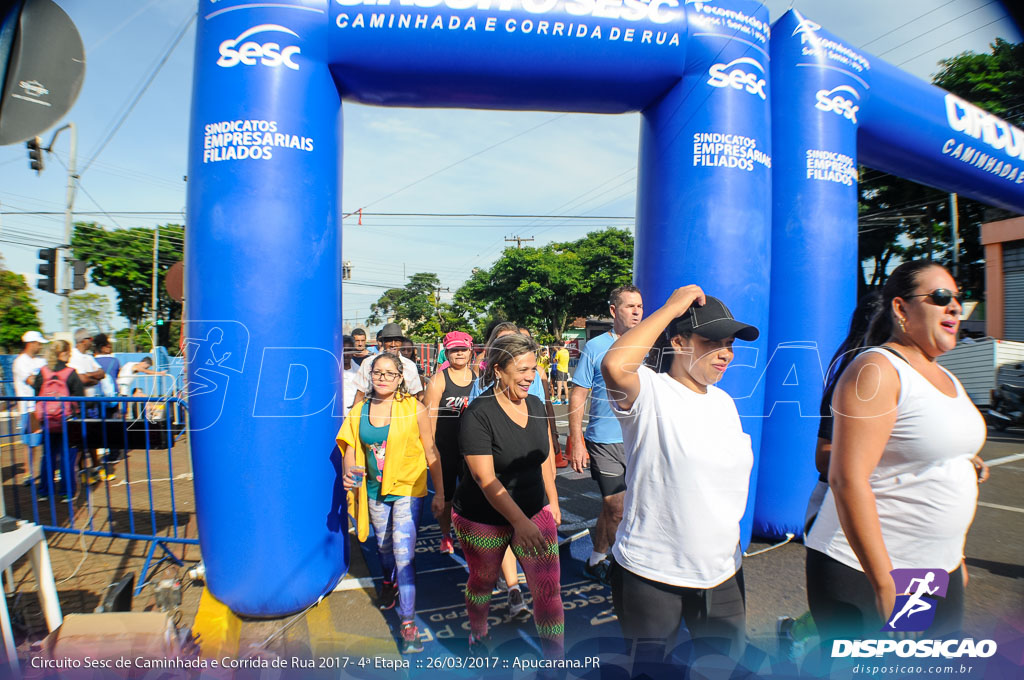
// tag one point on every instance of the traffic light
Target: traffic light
(47, 270)
(35, 154)
(80, 267)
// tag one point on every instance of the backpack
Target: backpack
(55, 384)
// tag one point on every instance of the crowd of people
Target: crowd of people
(667, 450)
(896, 454)
(87, 368)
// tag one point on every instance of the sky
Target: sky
(395, 160)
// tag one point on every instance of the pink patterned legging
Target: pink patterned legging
(484, 545)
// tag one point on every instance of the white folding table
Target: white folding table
(28, 538)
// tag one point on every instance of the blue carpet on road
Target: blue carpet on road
(590, 626)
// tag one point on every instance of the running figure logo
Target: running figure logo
(914, 610)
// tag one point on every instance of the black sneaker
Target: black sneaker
(517, 608)
(388, 595)
(599, 572)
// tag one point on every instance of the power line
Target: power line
(962, 35)
(138, 96)
(906, 23)
(463, 160)
(904, 43)
(94, 213)
(365, 214)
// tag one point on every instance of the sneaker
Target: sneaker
(388, 595)
(599, 572)
(447, 547)
(410, 638)
(517, 608)
(479, 646)
(89, 476)
(106, 476)
(787, 644)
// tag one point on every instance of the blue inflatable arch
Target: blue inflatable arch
(264, 246)
(833, 107)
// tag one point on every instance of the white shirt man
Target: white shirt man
(85, 365)
(25, 367)
(390, 339)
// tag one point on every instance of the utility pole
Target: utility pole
(69, 205)
(954, 222)
(156, 248)
(518, 240)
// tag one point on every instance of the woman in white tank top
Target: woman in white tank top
(904, 472)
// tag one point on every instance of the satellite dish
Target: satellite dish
(42, 66)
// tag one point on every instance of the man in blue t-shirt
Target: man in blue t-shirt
(602, 441)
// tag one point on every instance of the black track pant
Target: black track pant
(652, 611)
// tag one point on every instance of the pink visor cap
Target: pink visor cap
(457, 339)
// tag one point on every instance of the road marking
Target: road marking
(1000, 507)
(355, 584)
(1013, 458)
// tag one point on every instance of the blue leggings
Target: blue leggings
(394, 525)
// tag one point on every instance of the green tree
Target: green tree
(606, 257)
(91, 311)
(416, 307)
(902, 220)
(18, 311)
(547, 287)
(123, 260)
(994, 81)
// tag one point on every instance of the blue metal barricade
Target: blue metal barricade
(68, 494)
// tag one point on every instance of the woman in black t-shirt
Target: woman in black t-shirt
(510, 496)
(446, 398)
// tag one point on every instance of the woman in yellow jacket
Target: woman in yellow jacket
(387, 439)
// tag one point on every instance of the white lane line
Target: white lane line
(1013, 458)
(1000, 507)
(354, 584)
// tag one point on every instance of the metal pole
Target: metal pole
(68, 211)
(156, 247)
(954, 221)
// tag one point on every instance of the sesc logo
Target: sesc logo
(738, 78)
(833, 100)
(249, 53)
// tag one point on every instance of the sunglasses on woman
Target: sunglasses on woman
(941, 297)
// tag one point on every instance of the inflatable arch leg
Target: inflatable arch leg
(702, 213)
(263, 260)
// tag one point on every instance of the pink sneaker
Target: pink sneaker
(447, 547)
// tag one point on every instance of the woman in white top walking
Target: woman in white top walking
(903, 475)
(677, 548)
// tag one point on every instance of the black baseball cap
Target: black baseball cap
(713, 321)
